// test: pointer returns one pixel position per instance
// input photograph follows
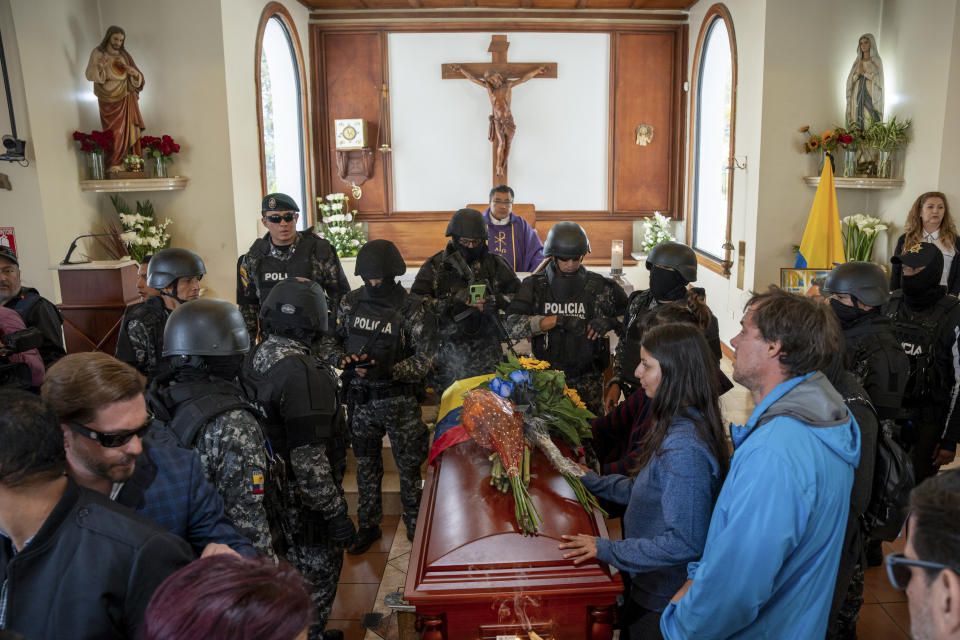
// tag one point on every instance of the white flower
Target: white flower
(354, 242)
(348, 217)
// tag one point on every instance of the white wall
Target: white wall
(559, 155)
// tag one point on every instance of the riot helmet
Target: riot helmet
(205, 327)
(379, 259)
(467, 223)
(674, 255)
(296, 302)
(566, 240)
(865, 281)
(167, 265)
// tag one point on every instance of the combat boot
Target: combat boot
(366, 536)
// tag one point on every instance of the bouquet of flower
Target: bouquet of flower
(859, 235)
(151, 235)
(163, 147)
(655, 231)
(95, 141)
(337, 225)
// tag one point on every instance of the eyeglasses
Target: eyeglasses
(470, 242)
(502, 201)
(276, 218)
(111, 440)
(898, 569)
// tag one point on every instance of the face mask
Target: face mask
(380, 290)
(226, 367)
(848, 316)
(666, 284)
(472, 254)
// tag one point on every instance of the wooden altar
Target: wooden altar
(95, 295)
(472, 575)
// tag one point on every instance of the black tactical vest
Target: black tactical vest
(151, 312)
(374, 329)
(918, 332)
(185, 407)
(268, 270)
(565, 349)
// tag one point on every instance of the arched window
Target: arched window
(281, 110)
(714, 111)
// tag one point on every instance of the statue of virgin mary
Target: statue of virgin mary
(865, 84)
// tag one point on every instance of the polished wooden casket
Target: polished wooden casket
(472, 575)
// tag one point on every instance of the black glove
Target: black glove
(342, 531)
(602, 325)
(573, 324)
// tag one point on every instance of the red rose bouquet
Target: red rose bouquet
(95, 141)
(162, 147)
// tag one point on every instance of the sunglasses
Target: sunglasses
(898, 569)
(276, 218)
(111, 440)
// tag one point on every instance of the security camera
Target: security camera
(15, 149)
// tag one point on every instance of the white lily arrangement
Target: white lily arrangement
(860, 233)
(337, 225)
(143, 234)
(655, 231)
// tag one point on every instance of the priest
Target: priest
(510, 237)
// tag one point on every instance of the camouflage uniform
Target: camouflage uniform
(140, 341)
(310, 441)
(470, 343)
(398, 333)
(310, 256)
(231, 451)
(577, 300)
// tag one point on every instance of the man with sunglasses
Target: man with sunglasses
(929, 567)
(175, 273)
(284, 253)
(469, 288)
(74, 564)
(99, 401)
(511, 237)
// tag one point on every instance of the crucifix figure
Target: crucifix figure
(498, 78)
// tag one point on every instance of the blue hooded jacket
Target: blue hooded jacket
(773, 547)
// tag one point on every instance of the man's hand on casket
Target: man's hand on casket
(583, 547)
(342, 531)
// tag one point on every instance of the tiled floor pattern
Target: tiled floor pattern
(367, 579)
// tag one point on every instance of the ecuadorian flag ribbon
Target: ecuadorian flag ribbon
(822, 244)
(450, 431)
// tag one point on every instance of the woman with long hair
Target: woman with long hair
(929, 220)
(670, 492)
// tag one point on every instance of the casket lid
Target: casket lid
(467, 540)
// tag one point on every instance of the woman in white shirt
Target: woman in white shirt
(929, 221)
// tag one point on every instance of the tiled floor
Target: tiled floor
(367, 579)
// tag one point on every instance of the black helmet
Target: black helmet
(566, 240)
(467, 223)
(379, 259)
(674, 255)
(865, 281)
(169, 264)
(296, 303)
(205, 327)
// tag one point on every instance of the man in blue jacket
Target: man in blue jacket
(770, 562)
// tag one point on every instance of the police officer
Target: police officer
(384, 345)
(305, 426)
(856, 291)
(567, 311)
(176, 274)
(926, 322)
(470, 328)
(672, 266)
(285, 252)
(200, 405)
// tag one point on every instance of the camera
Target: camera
(17, 374)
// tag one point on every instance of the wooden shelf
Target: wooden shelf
(175, 183)
(858, 183)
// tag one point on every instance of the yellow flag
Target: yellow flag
(822, 243)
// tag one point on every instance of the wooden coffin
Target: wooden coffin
(472, 575)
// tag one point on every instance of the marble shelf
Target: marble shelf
(858, 183)
(135, 185)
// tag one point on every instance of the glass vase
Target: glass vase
(159, 167)
(849, 163)
(884, 164)
(95, 166)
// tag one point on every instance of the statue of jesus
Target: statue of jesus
(502, 126)
(117, 83)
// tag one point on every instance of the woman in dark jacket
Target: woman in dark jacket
(929, 221)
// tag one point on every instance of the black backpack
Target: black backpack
(893, 480)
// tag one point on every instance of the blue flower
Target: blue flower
(521, 377)
(501, 387)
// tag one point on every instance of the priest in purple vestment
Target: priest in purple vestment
(511, 237)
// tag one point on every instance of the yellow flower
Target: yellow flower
(574, 396)
(826, 137)
(533, 363)
(813, 144)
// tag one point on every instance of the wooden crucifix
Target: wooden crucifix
(498, 77)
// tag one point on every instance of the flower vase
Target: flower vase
(884, 164)
(849, 163)
(95, 165)
(822, 157)
(159, 167)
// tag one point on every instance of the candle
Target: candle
(616, 256)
